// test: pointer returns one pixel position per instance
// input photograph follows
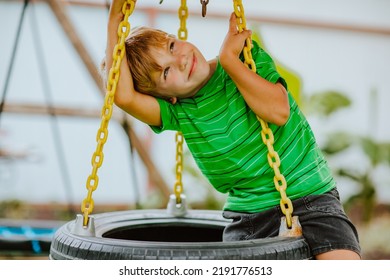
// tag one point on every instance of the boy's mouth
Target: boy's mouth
(193, 65)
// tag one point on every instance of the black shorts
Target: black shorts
(324, 223)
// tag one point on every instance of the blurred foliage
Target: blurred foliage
(376, 151)
(325, 104)
(12, 209)
(337, 142)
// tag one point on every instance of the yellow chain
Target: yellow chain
(178, 188)
(102, 134)
(266, 133)
(182, 34)
(241, 24)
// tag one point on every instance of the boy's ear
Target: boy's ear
(173, 100)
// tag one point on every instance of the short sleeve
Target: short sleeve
(265, 66)
(169, 118)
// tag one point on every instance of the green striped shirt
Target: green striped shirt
(223, 135)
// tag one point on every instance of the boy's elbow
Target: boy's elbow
(282, 117)
(282, 113)
(118, 101)
(284, 108)
(121, 101)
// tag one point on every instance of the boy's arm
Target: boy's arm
(141, 106)
(267, 100)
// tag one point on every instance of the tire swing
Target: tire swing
(175, 233)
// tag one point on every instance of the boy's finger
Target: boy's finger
(246, 33)
(233, 23)
(233, 26)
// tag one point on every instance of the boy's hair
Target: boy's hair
(139, 45)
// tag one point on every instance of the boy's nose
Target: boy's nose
(182, 61)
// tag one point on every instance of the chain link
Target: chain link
(182, 34)
(266, 133)
(241, 24)
(102, 134)
(178, 188)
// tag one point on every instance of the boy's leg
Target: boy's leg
(338, 255)
(326, 228)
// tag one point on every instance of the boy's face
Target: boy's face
(184, 69)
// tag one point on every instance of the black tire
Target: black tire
(156, 235)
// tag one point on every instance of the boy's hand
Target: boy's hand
(116, 7)
(234, 41)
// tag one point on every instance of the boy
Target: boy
(168, 84)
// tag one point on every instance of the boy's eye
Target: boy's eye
(166, 71)
(171, 46)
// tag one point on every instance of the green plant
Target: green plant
(376, 152)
